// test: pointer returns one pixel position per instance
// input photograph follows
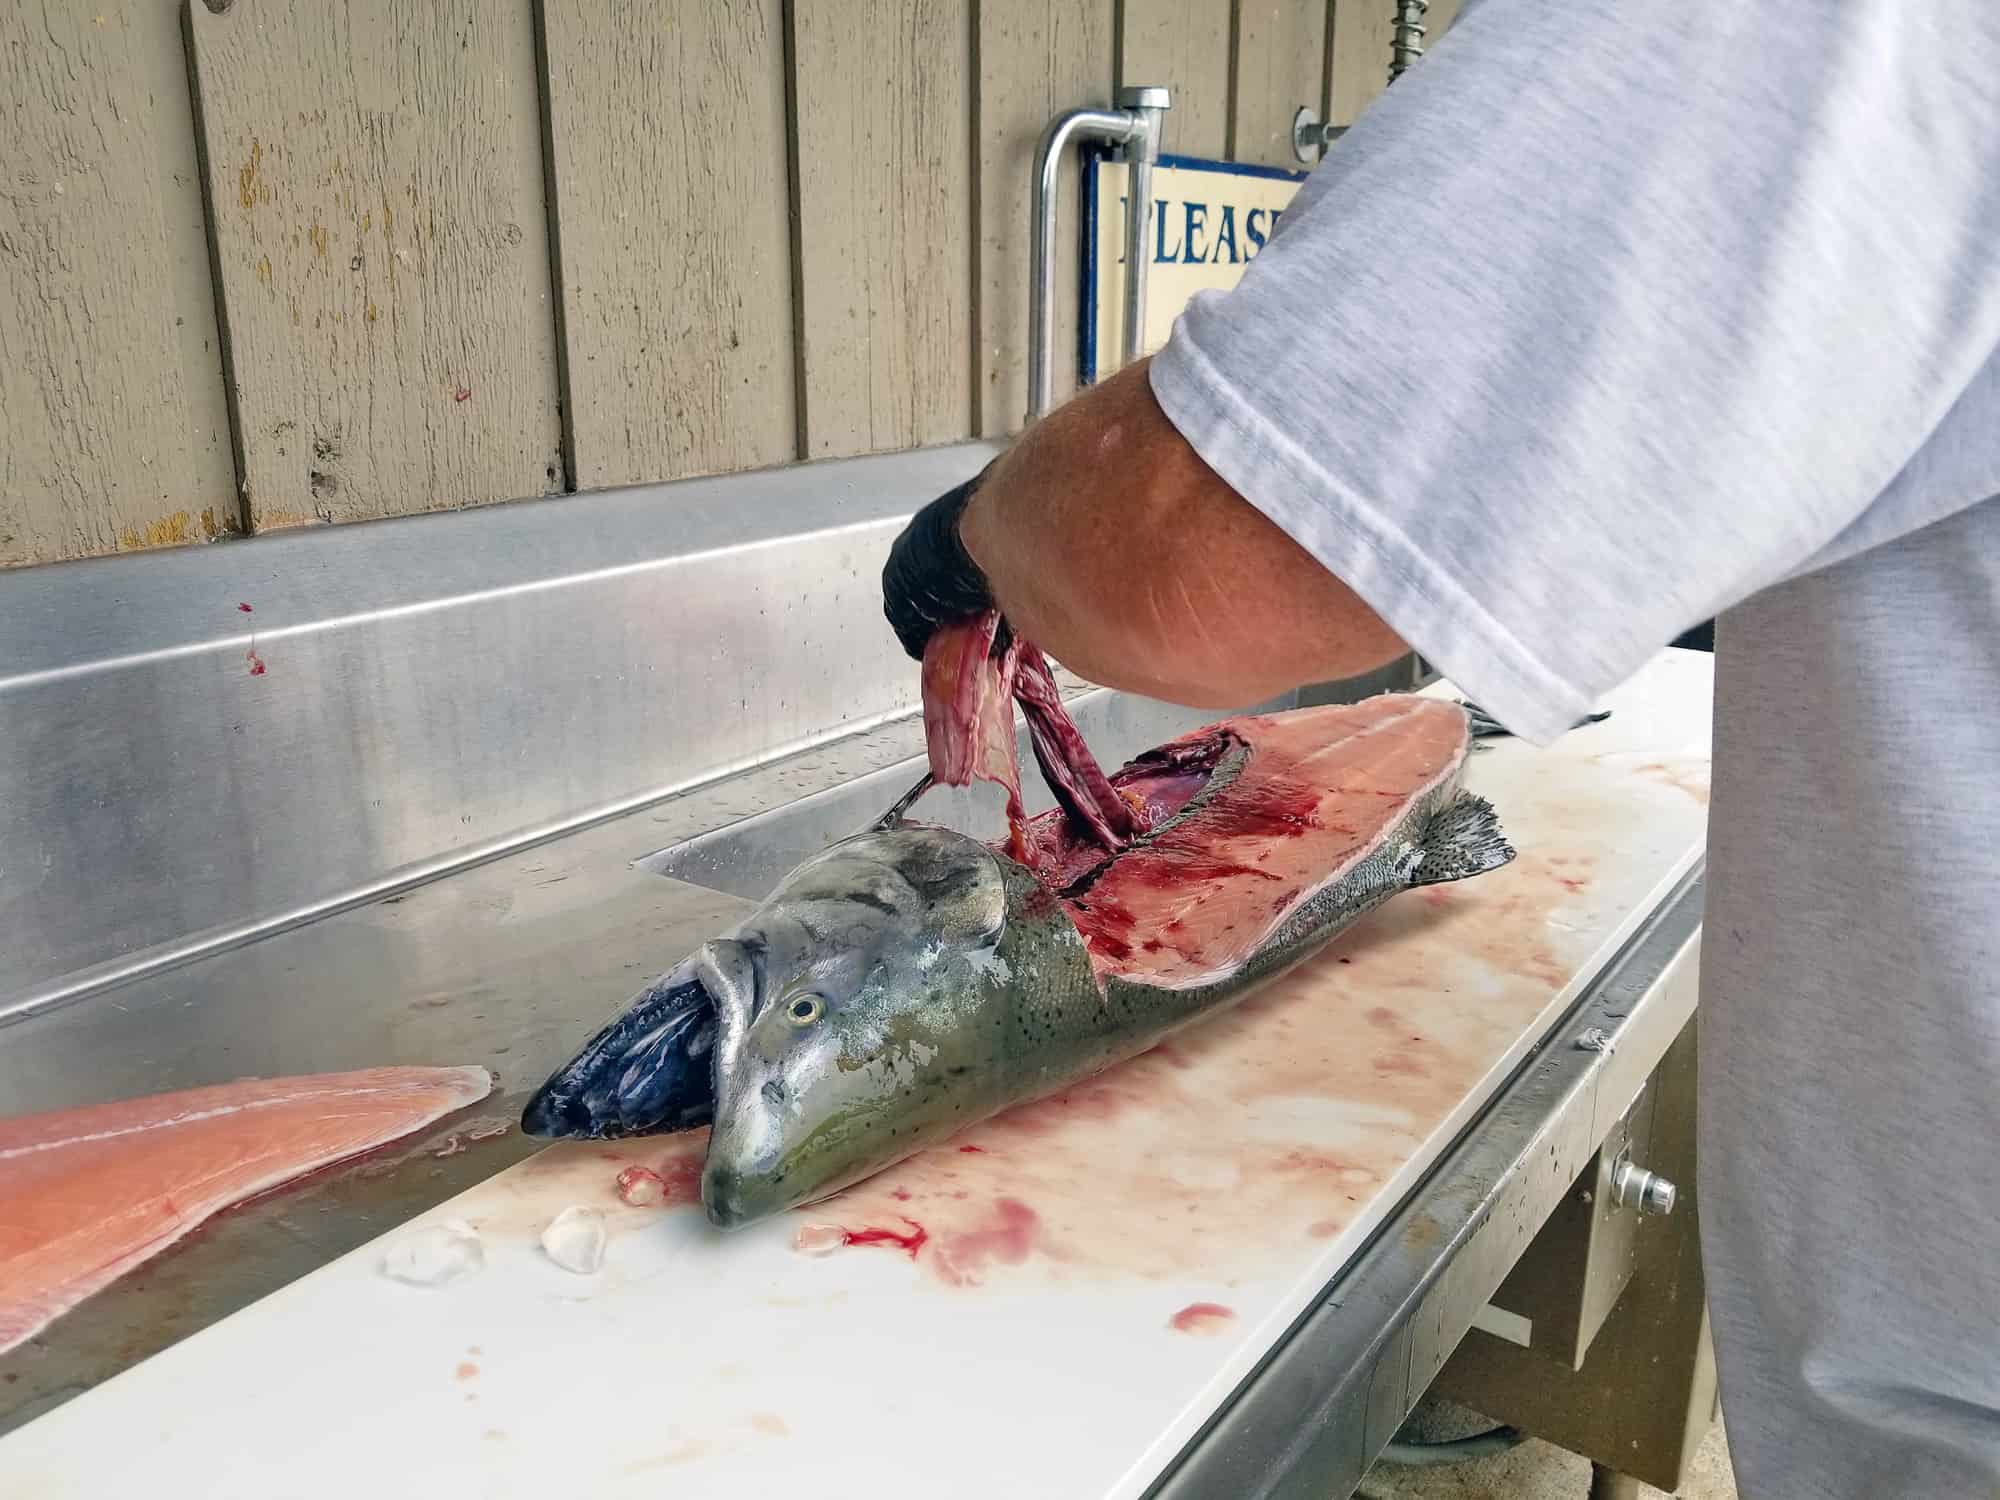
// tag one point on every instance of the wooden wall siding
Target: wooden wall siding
(883, 147)
(1361, 34)
(781, 228)
(1438, 22)
(374, 174)
(1361, 38)
(669, 181)
(1037, 58)
(1183, 44)
(1280, 65)
(113, 429)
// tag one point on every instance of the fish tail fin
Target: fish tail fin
(1485, 727)
(1463, 840)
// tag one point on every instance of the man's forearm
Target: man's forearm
(1109, 543)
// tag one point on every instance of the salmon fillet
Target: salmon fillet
(1317, 793)
(87, 1194)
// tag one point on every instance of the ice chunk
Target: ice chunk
(437, 1255)
(641, 1187)
(574, 1240)
(819, 1239)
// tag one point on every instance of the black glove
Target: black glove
(930, 579)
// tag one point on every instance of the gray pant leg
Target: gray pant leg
(1850, 1124)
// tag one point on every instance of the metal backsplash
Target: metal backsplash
(199, 746)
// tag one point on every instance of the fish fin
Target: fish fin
(893, 818)
(1462, 840)
(1486, 727)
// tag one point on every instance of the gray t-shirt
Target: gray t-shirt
(1610, 318)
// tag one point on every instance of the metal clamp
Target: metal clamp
(1633, 1187)
(1135, 125)
(1311, 135)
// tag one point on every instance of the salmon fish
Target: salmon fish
(87, 1194)
(910, 981)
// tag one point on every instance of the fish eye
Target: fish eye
(805, 1010)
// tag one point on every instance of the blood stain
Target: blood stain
(1202, 1317)
(910, 1244)
(1301, 1160)
(244, 607)
(973, 1150)
(1006, 1240)
(682, 1177)
(256, 662)
(465, 1371)
(1324, 1229)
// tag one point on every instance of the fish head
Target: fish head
(849, 1011)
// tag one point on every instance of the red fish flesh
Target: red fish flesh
(973, 674)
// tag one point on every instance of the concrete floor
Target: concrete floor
(1537, 1471)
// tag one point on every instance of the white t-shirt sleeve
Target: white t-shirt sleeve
(1604, 318)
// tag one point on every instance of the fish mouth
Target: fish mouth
(647, 1073)
(734, 1194)
(733, 1199)
(746, 1173)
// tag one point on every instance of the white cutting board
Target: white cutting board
(1093, 1280)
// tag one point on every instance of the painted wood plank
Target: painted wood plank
(1438, 22)
(375, 173)
(1280, 65)
(1183, 44)
(673, 242)
(1361, 40)
(1361, 33)
(884, 153)
(1037, 58)
(113, 429)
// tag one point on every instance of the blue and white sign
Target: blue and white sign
(1210, 218)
